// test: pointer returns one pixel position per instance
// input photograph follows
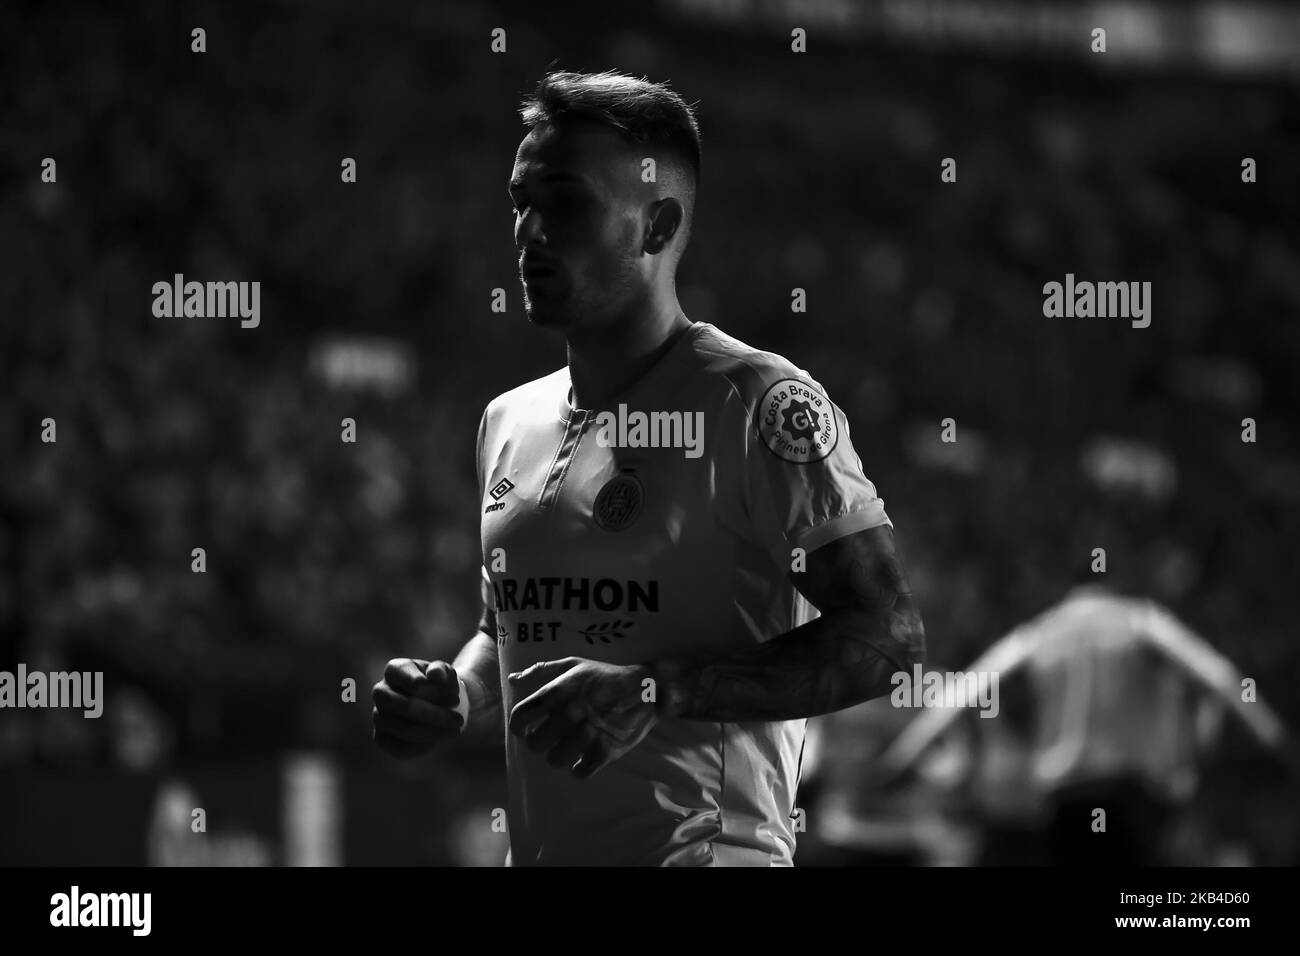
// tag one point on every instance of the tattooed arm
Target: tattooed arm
(587, 713)
(869, 628)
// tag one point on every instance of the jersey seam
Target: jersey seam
(541, 497)
(722, 790)
(798, 773)
(735, 390)
(573, 453)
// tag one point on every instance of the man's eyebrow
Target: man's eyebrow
(559, 176)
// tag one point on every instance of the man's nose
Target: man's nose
(529, 231)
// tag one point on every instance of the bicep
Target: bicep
(859, 571)
(861, 575)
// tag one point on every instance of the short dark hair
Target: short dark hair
(646, 112)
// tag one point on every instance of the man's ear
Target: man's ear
(665, 219)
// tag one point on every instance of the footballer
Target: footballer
(657, 625)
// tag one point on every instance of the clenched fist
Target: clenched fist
(416, 707)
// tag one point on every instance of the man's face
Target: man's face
(579, 208)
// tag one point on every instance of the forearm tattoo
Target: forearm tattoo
(869, 629)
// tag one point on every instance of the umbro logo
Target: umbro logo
(499, 491)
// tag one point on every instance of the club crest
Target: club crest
(619, 502)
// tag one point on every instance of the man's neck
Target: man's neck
(605, 367)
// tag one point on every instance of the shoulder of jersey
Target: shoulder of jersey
(540, 396)
(746, 370)
(786, 408)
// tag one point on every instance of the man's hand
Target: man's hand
(414, 704)
(587, 714)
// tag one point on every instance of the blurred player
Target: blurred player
(1109, 702)
(666, 598)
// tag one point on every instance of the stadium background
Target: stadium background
(821, 171)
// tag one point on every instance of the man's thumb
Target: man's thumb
(442, 674)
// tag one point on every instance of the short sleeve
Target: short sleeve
(804, 482)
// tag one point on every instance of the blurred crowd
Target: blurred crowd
(325, 558)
